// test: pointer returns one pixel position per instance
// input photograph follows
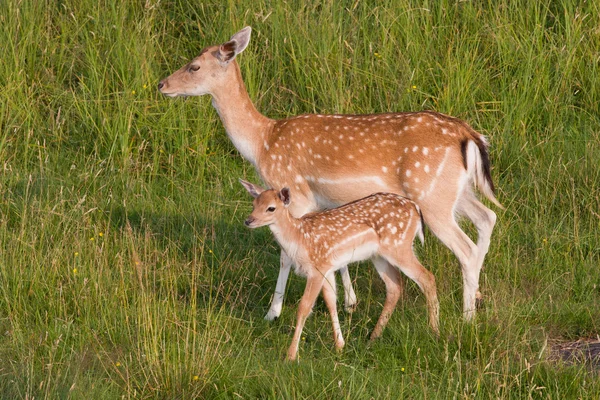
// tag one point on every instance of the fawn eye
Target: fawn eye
(270, 209)
(194, 68)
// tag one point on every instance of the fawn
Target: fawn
(380, 227)
(329, 160)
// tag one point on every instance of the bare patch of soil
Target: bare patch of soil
(581, 351)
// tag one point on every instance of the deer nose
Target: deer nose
(248, 221)
(161, 85)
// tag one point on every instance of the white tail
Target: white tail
(329, 160)
(381, 227)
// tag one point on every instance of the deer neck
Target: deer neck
(246, 127)
(287, 233)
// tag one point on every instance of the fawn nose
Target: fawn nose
(248, 221)
(161, 85)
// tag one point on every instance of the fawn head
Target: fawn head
(212, 68)
(267, 204)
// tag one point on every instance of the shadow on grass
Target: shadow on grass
(230, 264)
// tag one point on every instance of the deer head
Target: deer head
(268, 205)
(209, 70)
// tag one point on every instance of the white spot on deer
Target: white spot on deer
(384, 169)
(408, 173)
(273, 156)
(425, 151)
(406, 149)
(444, 131)
(266, 145)
(326, 127)
(417, 164)
(415, 148)
(438, 172)
(298, 179)
(336, 148)
(416, 180)
(426, 168)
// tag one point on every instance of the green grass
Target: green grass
(125, 268)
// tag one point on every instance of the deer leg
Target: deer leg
(484, 220)
(411, 267)
(329, 295)
(394, 288)
(313, 287)
(284, 272)
(444, 226)
(349, 295)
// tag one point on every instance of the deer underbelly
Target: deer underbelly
(358, 253)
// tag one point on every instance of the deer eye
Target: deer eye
(193, 68)
(271, 209)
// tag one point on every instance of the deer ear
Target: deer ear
(253, 189)
(284, 195)
(238, 43)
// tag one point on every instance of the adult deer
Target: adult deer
(329, 160)
(381, 227)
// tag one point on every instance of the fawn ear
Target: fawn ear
(238, 42)
(284, 195)
(253, 189)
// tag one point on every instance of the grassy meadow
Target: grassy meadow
(125, 267)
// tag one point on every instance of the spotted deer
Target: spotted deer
(381, 227)
(329, 160)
